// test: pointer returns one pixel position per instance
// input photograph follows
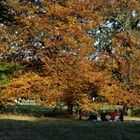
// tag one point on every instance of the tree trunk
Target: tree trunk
(70, 109)
(124, 109)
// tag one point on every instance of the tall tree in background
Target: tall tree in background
(52, 39)
(120, 50)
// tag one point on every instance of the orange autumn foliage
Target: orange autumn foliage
(67, 74)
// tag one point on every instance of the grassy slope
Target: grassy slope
(31, 128)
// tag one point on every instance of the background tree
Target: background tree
(125, 47)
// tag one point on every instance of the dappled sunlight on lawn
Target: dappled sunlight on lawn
(24, 118)
(132, 119)
(54, 118)
(33, 118)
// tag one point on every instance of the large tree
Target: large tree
(52, 39)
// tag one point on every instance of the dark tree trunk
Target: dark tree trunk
(70, 109)
(124, 109)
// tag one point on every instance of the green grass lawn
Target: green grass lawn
(32, 128)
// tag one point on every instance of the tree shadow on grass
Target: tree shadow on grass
(20, 130)
(59, 129)
(32, 110)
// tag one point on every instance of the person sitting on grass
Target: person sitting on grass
(103, 116)
(92, 117)
(113, 115)
(98, 118)
(121, 115)
(108, 117)
(80, 114)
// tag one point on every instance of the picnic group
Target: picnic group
(111, 116)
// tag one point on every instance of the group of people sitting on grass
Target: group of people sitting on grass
(115, 115)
